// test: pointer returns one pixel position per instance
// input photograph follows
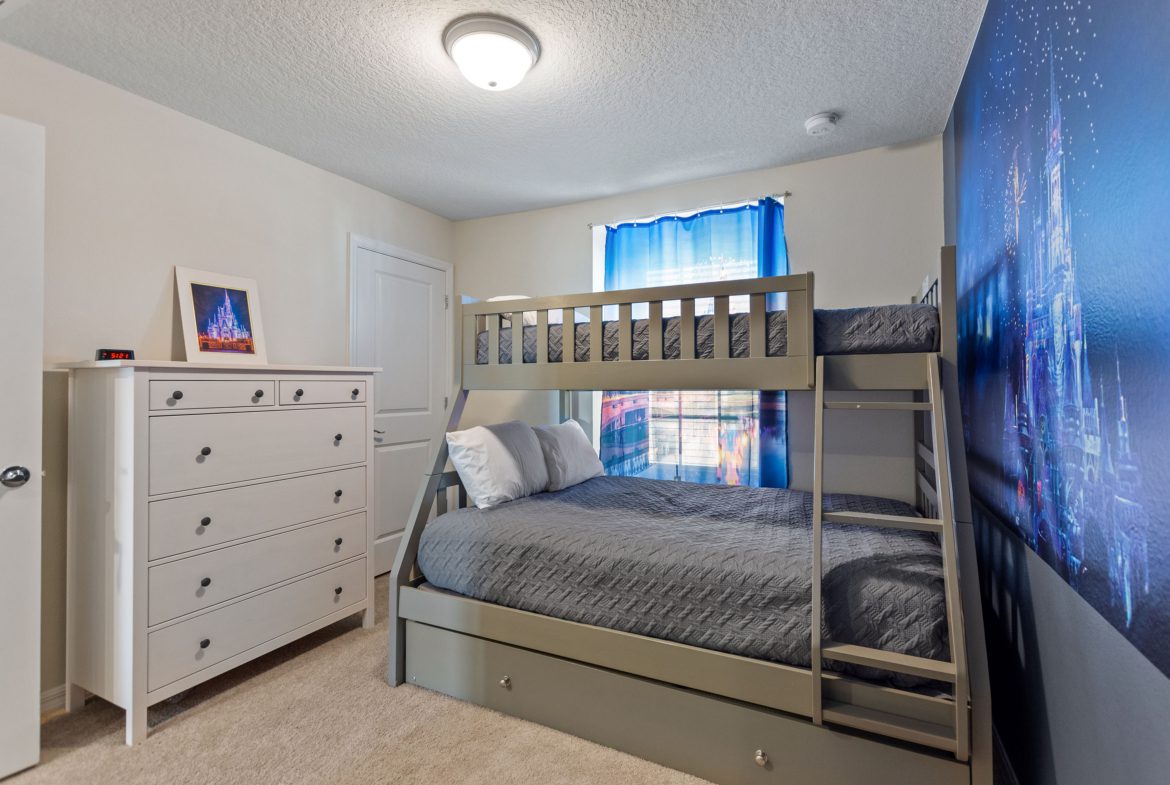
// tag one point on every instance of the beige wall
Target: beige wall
(134, 189)
(869, 224)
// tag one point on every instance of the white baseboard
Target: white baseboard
(53, 699)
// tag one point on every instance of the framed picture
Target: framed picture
(221, 318)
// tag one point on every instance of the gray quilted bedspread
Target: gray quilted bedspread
(718, 567)
(881, 329)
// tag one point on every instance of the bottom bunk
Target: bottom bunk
(713, 566)
(673, 620)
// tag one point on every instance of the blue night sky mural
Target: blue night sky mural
(1062, 152)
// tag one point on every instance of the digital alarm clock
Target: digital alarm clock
(114, 354)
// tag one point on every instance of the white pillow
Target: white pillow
(568, 454)
(498, 463)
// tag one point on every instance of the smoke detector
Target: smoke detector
(821, 124)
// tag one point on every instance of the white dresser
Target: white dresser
(215, 514)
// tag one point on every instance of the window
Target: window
(720, 436)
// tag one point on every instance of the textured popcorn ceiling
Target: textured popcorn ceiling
(628, 94)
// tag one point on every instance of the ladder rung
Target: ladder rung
(885, 521)
(894, 725)
(890, 661)
(893, 406)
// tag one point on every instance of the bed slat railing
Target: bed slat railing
(503, 324)
(758, 325)
(654, 327)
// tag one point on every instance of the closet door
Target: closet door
(22, 210)
(400, 323)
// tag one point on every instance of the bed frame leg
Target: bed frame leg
(404, 561)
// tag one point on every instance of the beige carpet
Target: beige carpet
(319, 711)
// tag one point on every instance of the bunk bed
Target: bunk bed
(726, 695)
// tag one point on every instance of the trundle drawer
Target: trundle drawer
(190, 646)
(190, 584)
(204, 519)
(215, 394)
(199, 450)
(713, 738)
(308, 392)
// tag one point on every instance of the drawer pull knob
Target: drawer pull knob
(205, 521)
(205, 451)
(299, 393)
(338, 541)
(356, 392)
(761, 758)
(203, 644)
(337, 494)
(259, 393)
(337, 437)
(506, 682)
(337, 590)
(205, 582)
(177, 395)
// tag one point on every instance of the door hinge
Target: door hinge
(444, 403)
(447, 301)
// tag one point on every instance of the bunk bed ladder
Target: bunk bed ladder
(939, 511)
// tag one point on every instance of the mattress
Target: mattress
(723, 568)
(881, 329)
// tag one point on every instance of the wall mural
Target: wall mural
(1063, 223)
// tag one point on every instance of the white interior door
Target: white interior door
(22, 211)
(399, 321)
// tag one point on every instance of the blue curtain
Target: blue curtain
(737, 242)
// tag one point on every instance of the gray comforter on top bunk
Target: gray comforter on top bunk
(881, 329)
(724, 568)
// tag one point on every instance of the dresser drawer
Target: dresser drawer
(188, 585)
(307, 392)
(178, 651)
(214, 394)
(178, 525)
(199, 450)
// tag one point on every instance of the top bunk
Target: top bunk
(759, 334)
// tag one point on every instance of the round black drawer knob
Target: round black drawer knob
(177, 395)
(338, 541)
(337, 438)
(299, 393)
(205, 520)
(205, 451)
(337, 494)
(259, 393)
(203, 644)
(356, 392)
(205, 582)
(337, 590)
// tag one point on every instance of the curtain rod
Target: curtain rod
(733, 202)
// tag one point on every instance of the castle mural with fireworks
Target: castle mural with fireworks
(224, 325)
(1062, 363)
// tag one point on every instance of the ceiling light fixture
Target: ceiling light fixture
(492, 52)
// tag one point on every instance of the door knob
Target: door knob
(15, 476)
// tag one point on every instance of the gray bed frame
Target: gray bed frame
(726, 718)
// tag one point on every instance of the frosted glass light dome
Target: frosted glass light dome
(492, 53)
